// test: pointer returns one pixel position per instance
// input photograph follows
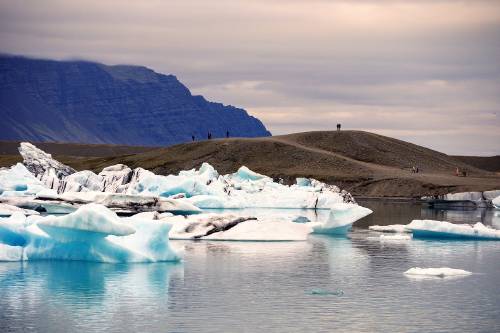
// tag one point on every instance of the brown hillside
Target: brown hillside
(364, 163)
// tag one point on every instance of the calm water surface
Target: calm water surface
(324, 284)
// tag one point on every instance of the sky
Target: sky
(424, 71)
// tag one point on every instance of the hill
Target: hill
(365, 164)
(87, 102)
(490, 163)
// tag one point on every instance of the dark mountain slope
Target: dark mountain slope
(77, 101)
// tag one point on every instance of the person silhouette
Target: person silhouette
(192, 137)
(227, 134)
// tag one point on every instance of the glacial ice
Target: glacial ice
(11, 253)
(8, 210)
(49, 171)
(496, 202)
(17, 180)
(436, 272)
(92, 233)
(394, 228)
(447, 230)
(341, 218)
(231, 227)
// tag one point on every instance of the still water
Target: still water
(324, 284)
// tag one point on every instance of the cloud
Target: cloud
(425, 71)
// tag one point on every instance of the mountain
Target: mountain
(365, 164)
(87, 102)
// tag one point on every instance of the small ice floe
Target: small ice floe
(341, 218)
(395, 228)
(447, 230)
(441, 272)
(324, 292)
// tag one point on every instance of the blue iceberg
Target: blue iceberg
(92, 233)
(447, 230)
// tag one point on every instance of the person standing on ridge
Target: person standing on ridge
(338, 127)
(227, 134)
(192, 137)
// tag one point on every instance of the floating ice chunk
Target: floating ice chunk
(150, 240)
(43, 166)
(341, 218)
(8, 210)
(11, 253)
(396, 228)
(245, 173)
(496, 202)
(490, 195)
(436, 272)
(19, 179)
(92, 233)
(442, 229)
(255, 230)
(238, 228)
(12, 230)
(83, 181)
(93, 218)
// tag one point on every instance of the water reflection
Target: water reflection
(385, 213)
(69, 294)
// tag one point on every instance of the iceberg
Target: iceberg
(436, 272)
(43, 166)
(447, 230)
(8, 210)
(394, 228)
(203, 188)
(341, 218)
(17, 180)
(230, 227)
(91, 233)
(10, 253)
(496, 202)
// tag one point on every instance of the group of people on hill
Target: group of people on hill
(209, 135)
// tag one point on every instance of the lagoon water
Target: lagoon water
(324, 284)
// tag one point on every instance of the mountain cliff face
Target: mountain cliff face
(78, 101)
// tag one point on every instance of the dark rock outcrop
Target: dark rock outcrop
(78, 101)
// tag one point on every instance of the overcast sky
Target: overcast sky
(425, 71)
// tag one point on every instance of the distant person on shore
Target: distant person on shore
(192, 137)
(209, 135)
(338, 127)
(227, 134)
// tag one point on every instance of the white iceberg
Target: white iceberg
(17, 180)
(436, 272)
(496, 202)
(92, 233)
(230, 227)
(11, 253)
(8, 210)
(394, 228)
(341, 218)
(447, 230)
